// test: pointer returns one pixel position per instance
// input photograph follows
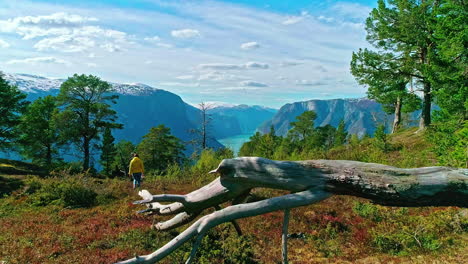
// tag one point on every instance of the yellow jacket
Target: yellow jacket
(136, 166)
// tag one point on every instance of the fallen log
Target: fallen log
(309, 181)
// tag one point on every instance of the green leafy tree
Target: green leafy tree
(341, 134)
(402, 31)
(40, 139)
(108, 151)
(381, 140)
(12, 105)
(304, 126)
(86, 100)
(159, 148)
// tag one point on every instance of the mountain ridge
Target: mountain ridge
(361, 115)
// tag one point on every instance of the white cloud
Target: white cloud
(326, 19)
(185, 77)
(65, 43)
(239, 88)
(351, 10)
(111, 47)
(153, 39)
(293, 20)
(219, 66)
(148, 62)
(91, 65)
(227, 66)
(157, 41)
(56, 19)
(38, 26)
(218, 76)
(309, 83)
(252, 84)
(36, 60)
(290, 63)
(320, 68)
(179, 84)
(185, 33)
(4, 44)
(256, 65)
(62, 32)
(250, 45)
(164, 45)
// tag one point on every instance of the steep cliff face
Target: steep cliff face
(360, 115)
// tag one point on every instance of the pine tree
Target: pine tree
(40, 139)
(12, 105)
(86, 102)
(340, 134)
(159, 148)
(451, 63)
(402, 31)
(380, 139)
(108, 151)
(380, 72)
(304, 126)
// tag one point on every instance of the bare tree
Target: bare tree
(203, 131)
(309, 181)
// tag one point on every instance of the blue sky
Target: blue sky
(240, 52)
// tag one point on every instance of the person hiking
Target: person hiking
(136, 170)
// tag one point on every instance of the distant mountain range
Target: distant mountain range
(361, 116)
(230, 121)
(141, 107)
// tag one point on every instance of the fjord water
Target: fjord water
(235, 142)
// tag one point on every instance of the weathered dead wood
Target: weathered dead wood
(284, 237)
(310, 181)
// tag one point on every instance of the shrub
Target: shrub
(68, 194)
(74, 195)
(33, 185)
(367, 210)
(224, 246)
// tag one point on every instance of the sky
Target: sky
(254, 52)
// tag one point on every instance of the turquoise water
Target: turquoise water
(235, 142)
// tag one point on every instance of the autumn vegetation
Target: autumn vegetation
(78, 218)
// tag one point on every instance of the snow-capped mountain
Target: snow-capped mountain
(139, 107)
(32, 83)
(37, 84)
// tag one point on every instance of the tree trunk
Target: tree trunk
(310, 181)
(49, 157)
(426, 108)
(397, 118)
(86, 154)
(284, 238)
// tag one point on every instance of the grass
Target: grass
(341, 229)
